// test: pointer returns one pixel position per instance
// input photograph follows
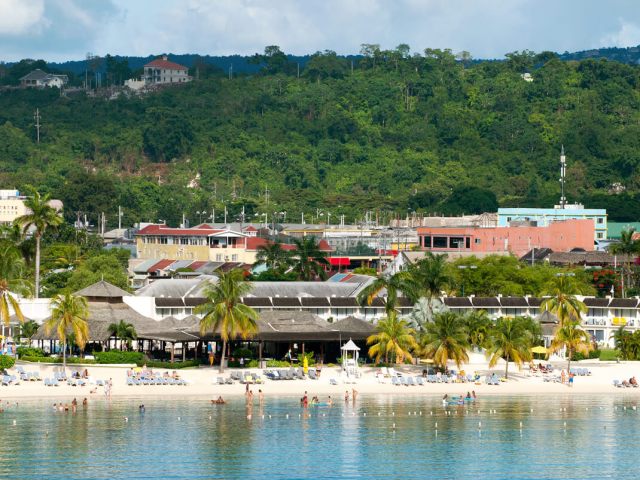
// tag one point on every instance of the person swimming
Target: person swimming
(141, 408)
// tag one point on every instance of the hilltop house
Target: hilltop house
(39, 78)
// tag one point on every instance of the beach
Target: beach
(200, 382)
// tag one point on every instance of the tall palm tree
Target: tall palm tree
(11, 282)
(428, 278)
(392, 284)
(623, 341)
(628, 247)
(510, 340)
(69, 315)
(446, 339)
(223, 311)
(123, 331)
(573, 338)
(393, 337)
(562, 301)
(478, 325)
(273, 256)
(41, 216)
(308, 260)
(28, 329)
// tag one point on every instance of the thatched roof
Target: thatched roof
(291, 326)
(353, 327)
(102, 289)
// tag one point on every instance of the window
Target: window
(467, 242)
(426, 242)
(476, 241)
(600, 220)
(218, 257)
(234, 257)
(600, 235)
(456, 242)
(439, 242)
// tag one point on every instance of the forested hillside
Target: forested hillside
(433, 133)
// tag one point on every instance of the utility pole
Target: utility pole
(230, 71)
(266, 194)
(103, 221)
(119, 217)
(37, 119)
(563, 171)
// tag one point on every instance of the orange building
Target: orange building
(517, 238)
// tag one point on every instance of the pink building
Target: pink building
(559, 236)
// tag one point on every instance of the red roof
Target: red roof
(161, 265)
(324, 246)
(165, 65)
(250, 228)
(254, 242)
(164, 230)
(196, 265)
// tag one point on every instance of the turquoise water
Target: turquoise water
(177, 439)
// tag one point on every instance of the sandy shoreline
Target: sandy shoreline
(200, 383)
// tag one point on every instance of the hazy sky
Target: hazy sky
(68, 29)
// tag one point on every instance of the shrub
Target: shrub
(30, 352)
(115, 356)
(6, 361)
(577, 356)
(242, 352)
(169, 365)
(278, 364)
(310, 358)
(609, 355)
(70, 360)
(252, 364)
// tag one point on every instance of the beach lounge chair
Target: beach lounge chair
(333, 381)
(419, 381)
(55, 382)
(99, 383)
(409, 381)
(130, 382)
(396, 381)
(312, 374)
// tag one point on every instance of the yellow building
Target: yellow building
(11, 206)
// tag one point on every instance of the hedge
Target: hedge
(30, 352)
(6, 361)
(70, 360)
(116, 356)
(169, 365)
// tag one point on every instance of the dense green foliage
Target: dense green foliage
(428, 132)
(6, 361)
(115, 356)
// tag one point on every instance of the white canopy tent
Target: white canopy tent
(350, 365)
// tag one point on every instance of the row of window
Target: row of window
(447, 242)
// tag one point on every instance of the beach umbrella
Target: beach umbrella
(539, 349)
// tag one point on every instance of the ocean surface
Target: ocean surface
(518, 437)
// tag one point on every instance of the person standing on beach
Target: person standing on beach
(354, 394)
(563, 377)
(260, 397)
(346, 396)
(571, 375)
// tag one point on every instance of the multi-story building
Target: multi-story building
(40, 79)
(163, 71)
(542, 217)
(12, 206)
(517, 238)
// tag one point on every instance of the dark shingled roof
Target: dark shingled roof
(169, 302)
(343, 302)
(285, 302)
(534, 301)
(513, 302)
(377, 302)
(291, 326)
(315, 302)
(404, 302)
(596, 302)
(257, 301)
(623, 303)
(485, 302)
(457, 302)
(194, 301)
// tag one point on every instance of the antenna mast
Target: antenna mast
(37, 119)
(563, 172)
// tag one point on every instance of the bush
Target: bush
(6, 362)
(609, 355)
(278, 364)
(169, 365)
(577, 356)
(252, 364)
(115, 356)
(70, 360)
(242, 352)
(30, 352)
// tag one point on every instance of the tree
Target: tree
(105, 266)
(11, 282)
(479, 328)
(573, 338)
(446, 339)
(223, 312)
(509, 339)
(393, 284)
(123, 331)
(28, 329)
(308, 260)
(393, 338)
(562, 301)
(628, 247)
(273, 256)
(41, 216)
(69, 315)
(427, 278)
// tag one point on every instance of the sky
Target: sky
(59, 30)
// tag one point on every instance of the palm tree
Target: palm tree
(510, 340)
(28, 329)
(446, 339)
(393, 337)
(309, 261)
(11, 282)
(572, 337)
(224, 312)
(428, 278)
(273, 256)
(392, 284)
(478, 326)
(628, 247)
(69, 314)
(123, 331)
(562, 301)
(41, 216)
(623, 340)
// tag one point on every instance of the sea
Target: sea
(385, 436)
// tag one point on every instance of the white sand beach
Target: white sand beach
(201, 383)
